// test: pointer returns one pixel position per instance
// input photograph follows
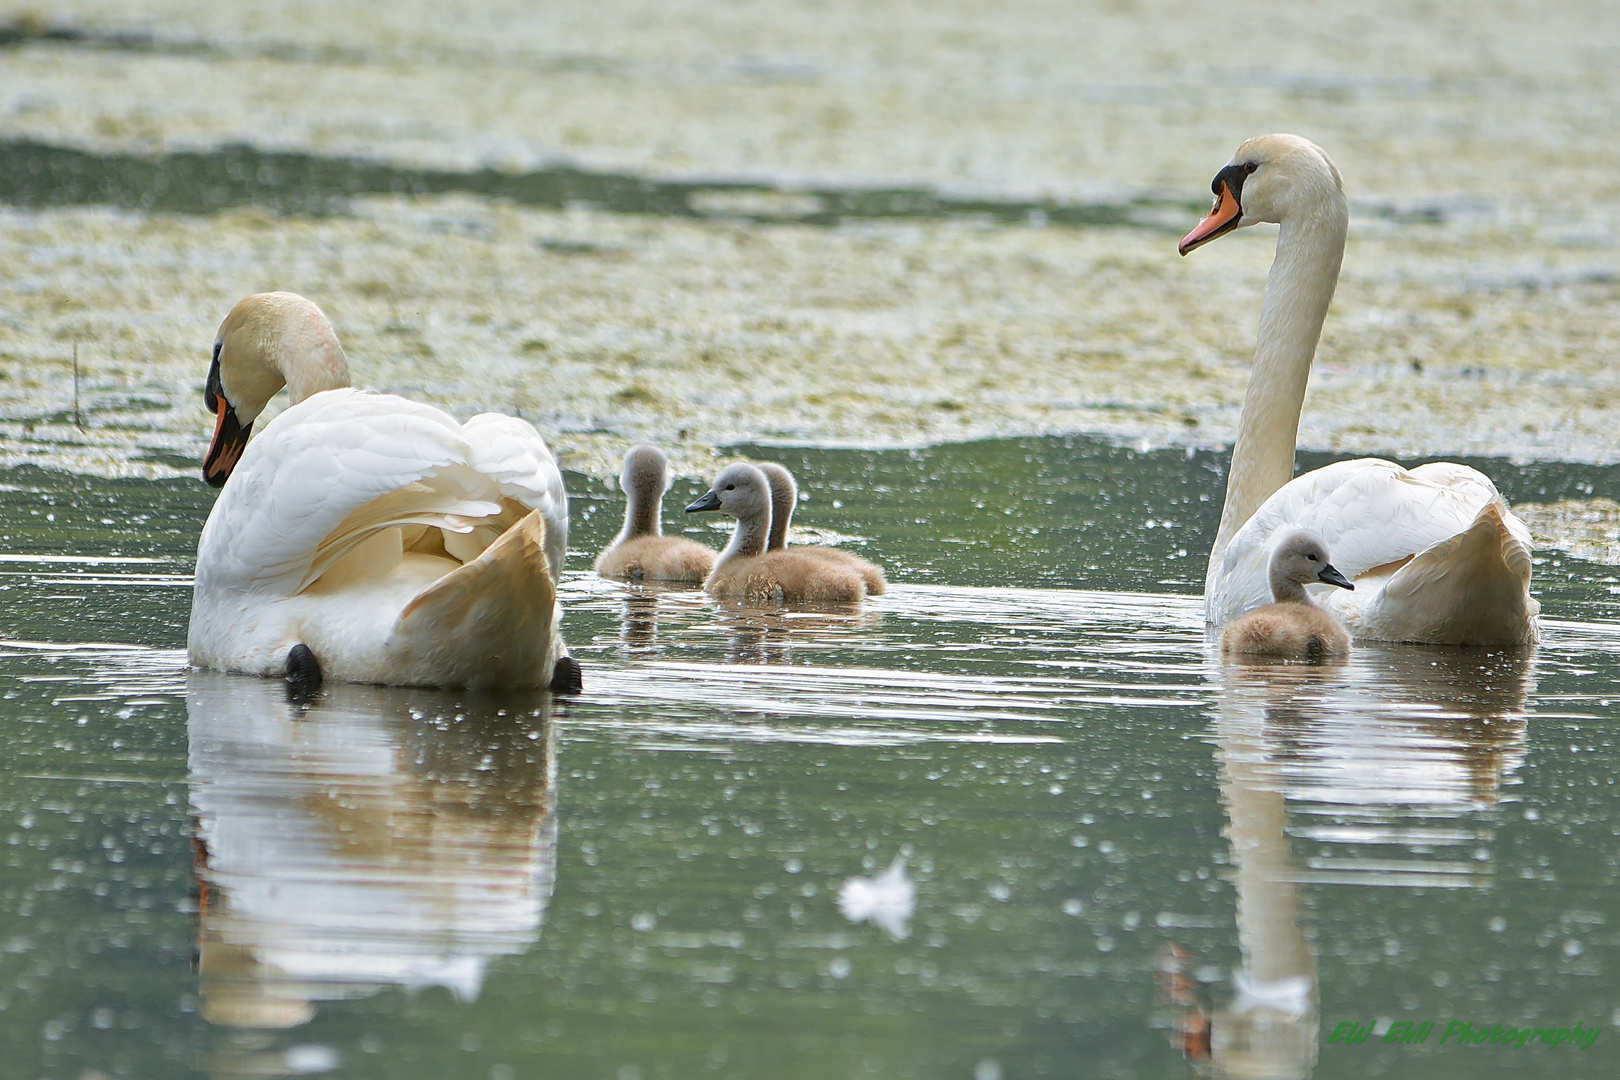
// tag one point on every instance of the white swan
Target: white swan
(366, 537)
(1435, 553)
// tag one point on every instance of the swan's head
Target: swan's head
(1272, 178)
(740, 491)
(645, 474)
(269, 340)
(1302, 558)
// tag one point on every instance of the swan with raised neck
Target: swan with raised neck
(1445, 560)
(746, 571)
(642, 552)
(784, 498)
(1289, 181)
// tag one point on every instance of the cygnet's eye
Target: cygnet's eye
(733, 487)
(1249, 167)
(1311, 557)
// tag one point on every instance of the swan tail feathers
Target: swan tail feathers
(1469, 589)
(490, 622)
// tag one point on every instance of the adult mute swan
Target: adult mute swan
(365, 537)
(1435, 553)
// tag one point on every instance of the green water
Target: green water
(202, 880)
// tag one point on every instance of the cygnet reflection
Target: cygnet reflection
(776, 637)
(384, 837)
(1384, 772)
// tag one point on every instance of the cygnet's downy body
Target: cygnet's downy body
(642, 552)
(784, 498)
(1292, 628)
(746, 571)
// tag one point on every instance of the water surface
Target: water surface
(1118, 843)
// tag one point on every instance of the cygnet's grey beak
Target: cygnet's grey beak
(1333, 577)
(709, 501)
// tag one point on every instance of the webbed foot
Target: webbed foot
(303, 675)
(566, 677)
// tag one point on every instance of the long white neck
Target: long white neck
(1298, 292)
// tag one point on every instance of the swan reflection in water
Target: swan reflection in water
(1392, 764)
(383, 837)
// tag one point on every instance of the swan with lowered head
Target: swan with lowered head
(746, 571)
(642, 552)
(1434, 551)
(1292, 627)
(365, 537)
(784, 498)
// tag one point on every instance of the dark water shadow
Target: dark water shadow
(36, 174)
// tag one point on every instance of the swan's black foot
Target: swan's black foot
(303, 675)
(566, 677)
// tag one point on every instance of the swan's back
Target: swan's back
(657, 558)
(348, 507)
(870, 573)
(1435, 553)
(786, 577)
(1287, 630)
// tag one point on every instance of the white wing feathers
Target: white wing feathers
(1374, 517)
(330, 472)
(1469, 588)
(512, 453)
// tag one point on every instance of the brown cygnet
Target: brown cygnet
(746, 571)
(1292, 628)
(642, 552)
(784, 498)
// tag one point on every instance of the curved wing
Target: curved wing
(325, 475)
(512, 453)
(1372, 514)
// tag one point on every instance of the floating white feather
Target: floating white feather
(887, 900)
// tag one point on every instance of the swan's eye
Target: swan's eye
(1249, 167)
(1311, 557)
(731, 487)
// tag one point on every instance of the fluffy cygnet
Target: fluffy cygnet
(1293, 628)
(746, 571)
(784, 497)
(642, 552)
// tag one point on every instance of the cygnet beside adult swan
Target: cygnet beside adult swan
(365, 537)
(784, 499)
(642, 552)
(1435, 552)
(1292, 628)
(745, 571)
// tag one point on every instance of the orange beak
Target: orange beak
(230, 439)
(1222, 219)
